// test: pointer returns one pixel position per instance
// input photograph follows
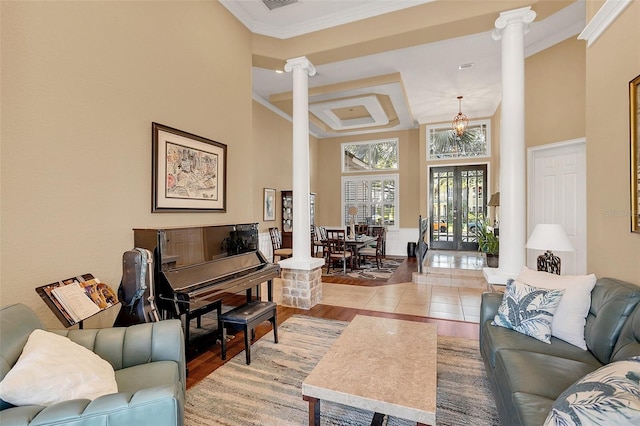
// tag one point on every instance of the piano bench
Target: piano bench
(248, 316)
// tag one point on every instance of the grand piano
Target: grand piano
(196, 267)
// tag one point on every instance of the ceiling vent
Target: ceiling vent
(277, 4)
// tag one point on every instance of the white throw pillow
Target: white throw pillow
(52, 369)
(570, 318)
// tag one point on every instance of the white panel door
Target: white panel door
(557, 194)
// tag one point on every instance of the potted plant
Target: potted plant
(488, 243)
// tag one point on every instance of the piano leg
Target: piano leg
(197, 315)
(259, 292)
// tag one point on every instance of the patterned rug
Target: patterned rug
(367, 270)
(268, 392)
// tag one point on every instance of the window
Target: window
(476, 141)
(372, 155)
(374, 197)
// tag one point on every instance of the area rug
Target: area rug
(268, 392)
(367, 271)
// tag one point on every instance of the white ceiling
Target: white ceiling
(429, 72)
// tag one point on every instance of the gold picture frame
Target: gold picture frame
(189, 172)
(634, 130)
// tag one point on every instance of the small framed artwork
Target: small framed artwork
(189, 172)
(269, 211)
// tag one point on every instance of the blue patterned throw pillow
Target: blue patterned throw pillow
(528, 310)
(607, 396)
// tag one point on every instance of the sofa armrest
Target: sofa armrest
(489, 305)
(137, 344)
(16, 324)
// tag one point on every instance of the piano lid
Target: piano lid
(192, 277)
(177, 247)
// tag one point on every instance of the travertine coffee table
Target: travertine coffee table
(384, 365)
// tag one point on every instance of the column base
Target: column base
(301, 282)
(496, 276)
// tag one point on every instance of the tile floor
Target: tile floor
(449, 288)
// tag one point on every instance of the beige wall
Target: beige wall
(330, 173)
(81, 84)
(272, 160)
(555, 94)
(612, 61)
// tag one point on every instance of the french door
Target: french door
(457, 204)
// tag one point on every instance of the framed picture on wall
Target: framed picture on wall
(189, 172)
(269, 211)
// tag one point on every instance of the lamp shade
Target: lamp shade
(494, 201)
(546, 236)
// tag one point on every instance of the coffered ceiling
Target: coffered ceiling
(390, 65)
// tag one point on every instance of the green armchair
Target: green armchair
(149, 364)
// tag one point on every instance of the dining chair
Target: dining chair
(376, 251)
(276, 243)
(337, 249)
(362, 228)
(374, 231)
(335, 233)
(318, 238)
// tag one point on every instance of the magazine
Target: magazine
(78, 298)
(75, 301)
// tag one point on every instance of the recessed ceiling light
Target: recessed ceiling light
(465, 66)
(279, 71)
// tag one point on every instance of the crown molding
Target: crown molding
(265, 103)
(553, 39)
(602, 19)
(339, 17)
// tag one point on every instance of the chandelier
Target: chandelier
(460, 121)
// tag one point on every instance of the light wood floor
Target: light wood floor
(208, 357)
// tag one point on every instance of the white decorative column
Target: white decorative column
(301, 274)
(511, 27)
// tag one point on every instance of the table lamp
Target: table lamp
(494, 201)
(353, 211)
(549, 237)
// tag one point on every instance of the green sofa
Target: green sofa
(528, 375)
(149, 364)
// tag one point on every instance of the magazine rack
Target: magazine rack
(100, 294)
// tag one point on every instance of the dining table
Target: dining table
(355, 244)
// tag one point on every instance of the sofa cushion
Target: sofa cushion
(537, 374)
(609, 395)
(612, 301)
(530, 410)
(570, 316)
(496, 339)
(158, 406)
(528, 310)
(148, 393)
(52, 368)
(143, 376)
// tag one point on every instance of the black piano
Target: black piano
(197, 267)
